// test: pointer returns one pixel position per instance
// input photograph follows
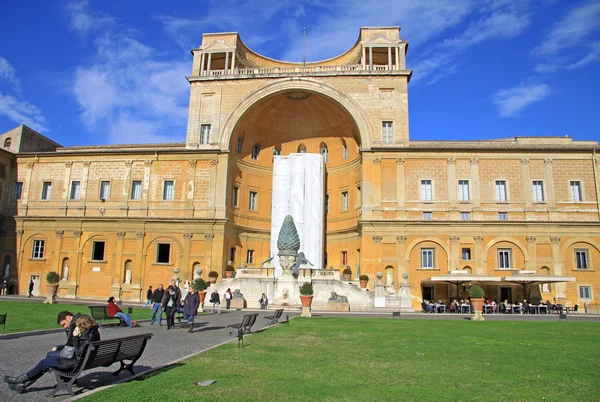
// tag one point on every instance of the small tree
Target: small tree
(52, 278)
(476, 292)
(306, 289)
(199, 285)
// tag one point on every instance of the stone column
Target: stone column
(127, 188)
(480, 259)
(452, 187)
(209, 62)
(389, 58)
(528, 196)
(377, 183)
(19, 263)
(226, 66)
(400, 188)
(531, 250)
(186, 268)
(146, 184)
(453, 258)
(202, 64)
(364, 57)
(560, 289)
(370, 58)
(141, 264)
(66, 188)
(77, 253)
(213, 188)
(191, 188)
(118, 267)
(397, 58)
(553, 213)
(401, 250)
(208, 243)
(475, 196)
(233, 62)
(222, 179)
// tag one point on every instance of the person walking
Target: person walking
(170, 303)
(148, 298)
(228, 297)
(215, 299)
(157, 297)
(31, 286)
(190, 308)
(115, 311)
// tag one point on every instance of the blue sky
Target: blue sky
(84, 72)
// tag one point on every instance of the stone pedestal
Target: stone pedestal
(405, 299)
(305, 312)
(131, 292)
(338, 306)
(286, 291)
(115, 290)
(379, 300)
(67, 289)
(238, 303)
(477, 316)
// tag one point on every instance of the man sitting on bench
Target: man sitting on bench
(65, 319)
(86, 331)
(115, 311)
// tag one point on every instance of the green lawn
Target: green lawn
(30, 316)
(382, 359)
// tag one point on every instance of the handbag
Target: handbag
(67, 352)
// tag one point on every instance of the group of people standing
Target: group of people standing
(170, 301)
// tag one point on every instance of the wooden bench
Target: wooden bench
(274, 319)
(100, 313)
(102, 354)
(244, 327)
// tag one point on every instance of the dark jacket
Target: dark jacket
(176, 298)
(70, 331)
(191, 304)
(149, 294)
(80, 342)
(158, 295)
(215, 298)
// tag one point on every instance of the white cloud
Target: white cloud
(511, 101)
(592, 56)
(22, 112)
(82, 20)
(577, 25)
(9, 74)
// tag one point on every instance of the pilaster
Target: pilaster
(479, 257)
(531, 263)
(400, 189)
(453, 259)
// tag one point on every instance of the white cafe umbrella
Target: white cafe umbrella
(525, 278)
(459, 277)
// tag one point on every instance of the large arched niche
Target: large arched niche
(300, 108)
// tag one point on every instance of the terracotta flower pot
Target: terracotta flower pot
(202, 296)
(306, 300)
(477, 306)
(51, 293)
(363, 284)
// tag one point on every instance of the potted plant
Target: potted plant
(306, 295)
(476, 293)
(200, 286)
(364, 279)
(212, 277)
(229, 271)
(52, 278)
(347, 274)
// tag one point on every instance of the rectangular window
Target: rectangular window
(163, 253)
(501, 190)
(427, 257)
(250, 257)
(74, 194)
(232, 254)
(235, 195)
(255, 151)
(387, 132)
(344, 151)
(46, 190)
(538, 191)
(252, 201)
(465, 216)
(18, 190)
(205, 134)
(344, 258)
(136, 190)
(98, 251)
(38, 249)
(427, 216)
(238, 145)
(169, 190)
(466, 253)
(581, 259)
(344, 200)
(104, 190)
(502, 216)
(585, 292)
(463, 190)
(576, 191)
(326, 203)
(504, 258)
(426, 190)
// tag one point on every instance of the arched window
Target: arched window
(301, 149)
(239, 143)
(255, 151)
(546, 287)
(7, 142)
(344, 150)
(324, 151)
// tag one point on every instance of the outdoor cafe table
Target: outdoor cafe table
(466, 307)
(439, 307)
(489, 307)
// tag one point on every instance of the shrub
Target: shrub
(52, 278)
(306, 289)
(476, 292)
(229, 268)
(199, 285)
(363, 278)
(213, 274)
(347, 271)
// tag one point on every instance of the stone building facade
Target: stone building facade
(124, 217)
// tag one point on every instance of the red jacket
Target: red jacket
(113, 309)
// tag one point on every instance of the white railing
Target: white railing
(297, 70)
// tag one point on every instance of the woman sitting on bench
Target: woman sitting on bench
(86, 331)
(115, 311)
